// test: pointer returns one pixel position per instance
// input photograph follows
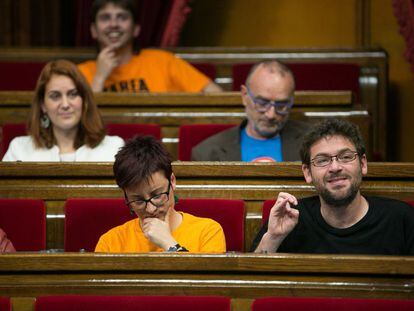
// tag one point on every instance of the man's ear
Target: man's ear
(307, 173)
(137, 30)
(364, 164)
(94, 33)
(244, 94)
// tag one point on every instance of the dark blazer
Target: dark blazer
(225, 146)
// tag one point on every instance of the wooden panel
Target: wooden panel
(242, 277)
(252, 182)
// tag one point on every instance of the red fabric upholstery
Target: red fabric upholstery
(24, 221)
(328, 304)
(228, 213)
(208, 69)
(312, 76)
(192, 134)
(267, 206)
(133, 303)
(87, 219)
(10, 131)
(19, 75)
(5, 304)
(411, 203)
(129, 130)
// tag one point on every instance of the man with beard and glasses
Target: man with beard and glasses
(266, 135)
(339, 219)
(118, 69)
(143, 171)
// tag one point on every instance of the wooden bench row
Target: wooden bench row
(251, 182)
(242, 277)
(172, 110)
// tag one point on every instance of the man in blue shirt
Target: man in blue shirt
(266, 135)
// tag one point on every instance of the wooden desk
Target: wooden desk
(252, 182)
(242, 277)
(172, 110)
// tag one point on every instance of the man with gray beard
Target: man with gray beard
(266, 135)
(339, 219)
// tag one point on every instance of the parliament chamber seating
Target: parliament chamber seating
(87, 219)
(24, 221)
(189, 135)
(230, 214)
(330, 304)
(5, 304)
(132, 303)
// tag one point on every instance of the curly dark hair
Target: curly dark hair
(331, 127)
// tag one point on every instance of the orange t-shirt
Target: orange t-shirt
(151, 70)
(198, 235)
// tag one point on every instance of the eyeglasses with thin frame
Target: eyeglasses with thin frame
(157, 200)
(343, 157)
(282, 107)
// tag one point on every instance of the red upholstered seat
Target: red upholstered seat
(192, 134)
(267, 206)
(87, 219)
(228, 213)
(411, 203)
(19, 75)
(133, 303)
(24, 221)
(312, 76)
(10, 131)
(207, 68)
(329, 304)
(5, 304)
(129, 130)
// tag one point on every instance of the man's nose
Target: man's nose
(150, 207)
(335, 164)
(271, 113)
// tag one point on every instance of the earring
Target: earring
(44, 121)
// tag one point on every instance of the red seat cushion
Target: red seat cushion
(87, 219)
(192, 134)
(24, 221)
(267, 206)
(230, 214)
(10, 131)
(313, 76)
(133, 303)
(207, 68)
(329, 304)
(129, 130)
(21, 76)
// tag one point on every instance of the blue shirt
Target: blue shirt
(260, 150)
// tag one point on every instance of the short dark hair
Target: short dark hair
(332, 127)
(129, 5)
(139, 159)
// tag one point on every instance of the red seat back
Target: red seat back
(192, 134)
(10, 131)
(313, 76)
(329, 303)
(129, 130)
(87, 219)
(228, 213)
(207, 68)
(267, 206)
(24, 221)
(132, 303)
(19, 75)
(5, 304)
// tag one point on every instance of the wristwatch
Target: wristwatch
(177, 248)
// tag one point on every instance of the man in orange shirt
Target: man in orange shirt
(143, 171)
(116, 68)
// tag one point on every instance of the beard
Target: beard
(271, 129)
(338, 199)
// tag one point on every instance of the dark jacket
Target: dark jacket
(225, 146)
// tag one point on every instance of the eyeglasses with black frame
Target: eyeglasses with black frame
(157, 200)
(282, 107)
(343, 157)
